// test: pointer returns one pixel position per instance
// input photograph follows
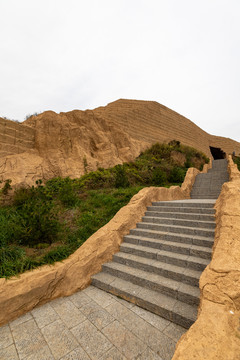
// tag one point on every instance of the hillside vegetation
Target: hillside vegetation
(46, 223)
(236, 160)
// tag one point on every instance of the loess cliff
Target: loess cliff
(69, 144)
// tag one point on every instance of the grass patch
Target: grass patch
(30, 230)
(46, 223)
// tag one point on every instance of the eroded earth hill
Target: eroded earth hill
(69, 144)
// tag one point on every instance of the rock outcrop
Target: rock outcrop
(68, 144)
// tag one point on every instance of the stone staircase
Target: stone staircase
(208, 186)
(160, 262)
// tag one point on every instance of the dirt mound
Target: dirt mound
(69, 144)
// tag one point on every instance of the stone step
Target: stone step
(219, 162)
(218, 170)
(206, 190)
(202, 192)
(169, 257)
(182, 222)
(176, 209)
(210, 177)
(204, 196)
(187, 276)
(180, 215)
(213, 196)
(141, 237)
(213, 180)
(179, 291)
(209, 183)
(210, 186)
(207, 193)
(220, 173)
(177, 229)
(183, 203)
(176, 247)
(165, 306)
(207, 178)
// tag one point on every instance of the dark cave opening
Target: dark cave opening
(217, 153)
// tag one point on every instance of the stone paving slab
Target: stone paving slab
(89, 325)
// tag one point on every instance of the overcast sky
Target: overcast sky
(80, 54)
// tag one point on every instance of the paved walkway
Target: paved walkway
(90, 324)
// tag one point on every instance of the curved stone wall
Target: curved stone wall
(216, 333)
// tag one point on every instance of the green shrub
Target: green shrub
(135, 176)
(159, 150)
(22, 195)
(39, 223)
(236, 160)
(7, 187)
(177, 175)
(201, 167)
(67, 194)
(159, 177)
(121, 179)
(98, 179)
(175, 144)
(188, 163)
(37, 217)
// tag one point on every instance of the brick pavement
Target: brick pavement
(90, 324)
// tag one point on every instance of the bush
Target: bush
(39, 223)
(22, 195)
(159, 150)
(67, 194)
(121, 179)
(7, 187)
(175, 144)
(159, 177)
(30, 115)
(37, 217)
(177, 175)
(98, 179)
(188, 163)
(236, 160)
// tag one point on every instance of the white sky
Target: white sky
(76, 54)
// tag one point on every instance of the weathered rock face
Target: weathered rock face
(67, 144)
(216, 333)
(15, 138)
